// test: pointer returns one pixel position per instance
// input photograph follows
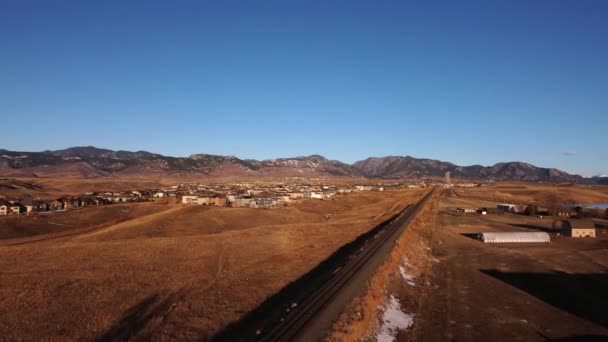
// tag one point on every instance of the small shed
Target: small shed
(578, 228)
(514, 237)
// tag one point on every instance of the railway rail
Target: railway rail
(311, 317)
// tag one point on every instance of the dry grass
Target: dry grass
(180, 274)
(51, 188)
(361, 320)
(35, 224)
(511, 292)
(540, 193)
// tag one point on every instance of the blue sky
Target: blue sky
(467, 82)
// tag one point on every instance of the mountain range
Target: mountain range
(91, 162)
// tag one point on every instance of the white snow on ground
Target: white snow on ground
(409, 279)
(393, 320)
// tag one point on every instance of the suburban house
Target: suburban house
(28, 204)
(216, 201)
(578, 228)
(244, 202)
(14, 208)
(265, 202)
(4, 207)
(189, 199)
(56, 205)
(318, 195)
(295, 195)
(41, 206)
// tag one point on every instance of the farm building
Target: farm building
(578, 228)
(510, 208)
(514, 237)
(466, 210)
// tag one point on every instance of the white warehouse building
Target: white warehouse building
(514, 237)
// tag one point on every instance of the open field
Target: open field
(50, 188)
(20, 228)
(54, 187)
(179, 273)
(520, 192)
(512, 292)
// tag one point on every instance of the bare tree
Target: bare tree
(554, 204)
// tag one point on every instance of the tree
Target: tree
(553, 203)
(579, 211)
(531, 209)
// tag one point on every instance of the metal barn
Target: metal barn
(514, 237)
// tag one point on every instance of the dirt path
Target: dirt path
(127, 224)
(78, 233)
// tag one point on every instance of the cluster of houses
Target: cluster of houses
(258, 194)
(29, 204)
(263, 195)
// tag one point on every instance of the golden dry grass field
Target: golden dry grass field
(520, 192)
(172, 271)
(50, 188)
(513, 292)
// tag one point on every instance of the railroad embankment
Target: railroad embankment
(388, 308)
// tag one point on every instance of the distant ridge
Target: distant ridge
(90, 162)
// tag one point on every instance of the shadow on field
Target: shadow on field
(583, 295)
(270, 312)
(576, 338)
(474, 236)
(535, 227)
(136, 318)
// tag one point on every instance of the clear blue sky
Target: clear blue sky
(467, 82)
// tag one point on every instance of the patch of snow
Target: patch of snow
(17, 157)
(393, 320)
(409, 279)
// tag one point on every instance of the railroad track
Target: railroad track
(296, 321)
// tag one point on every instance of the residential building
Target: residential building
(189, 199)
(4, 207)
